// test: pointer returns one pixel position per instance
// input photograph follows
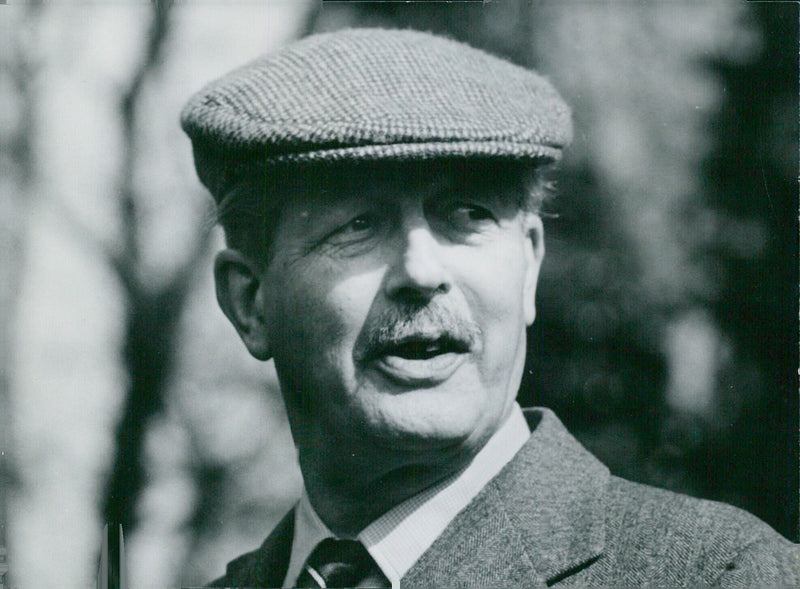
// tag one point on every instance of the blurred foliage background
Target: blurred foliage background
(666, 335)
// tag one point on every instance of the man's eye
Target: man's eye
(469, 216)
(357, 228)
(360, 223)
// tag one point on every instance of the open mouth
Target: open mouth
(414, 348)
(420, 360)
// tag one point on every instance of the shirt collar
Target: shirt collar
(399, 537)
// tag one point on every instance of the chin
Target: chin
(430, 419)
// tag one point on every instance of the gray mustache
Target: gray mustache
(402, 322)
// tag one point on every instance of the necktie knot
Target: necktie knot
(341, 563)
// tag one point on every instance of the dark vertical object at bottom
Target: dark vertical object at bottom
(3, 566)
(111, 573)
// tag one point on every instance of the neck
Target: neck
(352, 495)
(351, 483)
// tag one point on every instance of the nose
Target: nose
(418, 273)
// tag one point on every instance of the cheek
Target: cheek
(496, 283)
(322, 317)
(495, 289)
(310, 331)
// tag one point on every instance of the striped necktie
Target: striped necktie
(341, 563)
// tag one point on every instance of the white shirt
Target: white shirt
(400, 536)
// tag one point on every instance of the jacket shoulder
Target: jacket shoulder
(661, 537)
(266, 566)
(238, 570)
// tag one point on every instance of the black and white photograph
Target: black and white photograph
(305, 293)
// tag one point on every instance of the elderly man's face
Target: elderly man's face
(396, 310)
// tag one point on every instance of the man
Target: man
(379, 191)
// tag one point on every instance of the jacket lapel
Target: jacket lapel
(535, 523)
(266, 566)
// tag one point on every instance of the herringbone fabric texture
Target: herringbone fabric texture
(367, 94)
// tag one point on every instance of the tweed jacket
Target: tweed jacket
(555, 516)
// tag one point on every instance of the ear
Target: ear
(241, 297)
(534, 254)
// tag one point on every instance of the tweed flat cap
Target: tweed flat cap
(372, 94)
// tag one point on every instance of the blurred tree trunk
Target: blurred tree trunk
(752, 179)
(18, 183)
(152, 311)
